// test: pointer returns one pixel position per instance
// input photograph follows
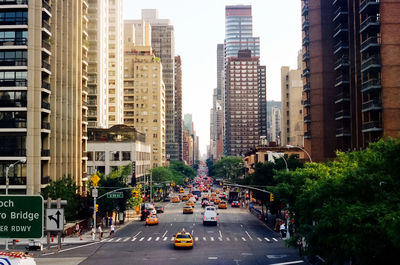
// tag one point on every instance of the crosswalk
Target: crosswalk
(196, 238)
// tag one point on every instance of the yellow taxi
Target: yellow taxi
(217, 191)
(212, 199)
(222, 205)
(183, 239)
(187, 209)
(175, 199)
(152, 220)
(213, 194)
(217, 200)
(190, 203)
(190, 195)
(181, 190)
(185, 198)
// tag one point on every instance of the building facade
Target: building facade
(144, 98)
(118, 146)
(357, 56)
(178, 106)
(276, 126)
(292, 122)
(42, 93)
(105, 70)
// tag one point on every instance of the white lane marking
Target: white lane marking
(220, 238)
(192, 232)
(119, 239)
(274, 239)
(165, 233)
(171, 224)
(149, 239)
(241, 225)
(172, 238)
(259, 239)
(126, 239)
(157, 238)
(290, 262)
(249, 235)
(137, 234)
(204, 238)
(63, 250)
(236, 239)
(105, 240)
(247, 254)
(267, 239)
(212, 238)
(228, 239)
(133, 239)
(196, 238)
(165, 238)
(220, 234)
(111, 240)
(244, 239)
(141, 239)
(212, 257)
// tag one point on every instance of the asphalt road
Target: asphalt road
(239, 238)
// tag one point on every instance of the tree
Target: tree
(210, 166)
(66, 189)
(348, 209)
(229, 167)
(184, 170)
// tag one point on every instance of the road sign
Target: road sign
(95, 179)
(54, 219)
(95, 193)
(21, 216)
(115, 195)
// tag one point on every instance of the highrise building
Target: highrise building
(292, 122)
(163, 45)
(105, 70)
(178, 105)
(245, 87)
(216, 127)
(276, 126)
(220, 71)
(350, 54)
(43, 93)
(144, 98)
(270, 105)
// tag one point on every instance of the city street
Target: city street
(239, 238)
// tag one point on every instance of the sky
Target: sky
(200, 25)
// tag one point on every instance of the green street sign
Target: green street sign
(115, 195)
(21, 216)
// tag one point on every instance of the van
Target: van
(210, 216)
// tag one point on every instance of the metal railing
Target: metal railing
(369, 20)
(45, 85)
(46, 65)
(342, 95)
(342, 113)
(364, 3)
(46, 45)
(46, 25)
(46, 5)
(371, 125)
(372, 104)
(374, 82)
(45, 105)
(369, 41)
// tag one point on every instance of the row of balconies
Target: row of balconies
(370, 23)
(372, 63)
(369, 6)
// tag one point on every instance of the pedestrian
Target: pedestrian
(76, 230)
(93, 233)
(100, 232)
(80, 233)
(112, 231)
(282, 229)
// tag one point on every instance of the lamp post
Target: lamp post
(8, 182)
(275, 155)
(291, 146)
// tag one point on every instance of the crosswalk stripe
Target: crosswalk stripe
(259, 239)
(212, 239)
(111, 240)
(157, 238)
(236, 239)
(133, 239)
(165, 238)
(141, 239)
(196, 238)
(274, 239)
(220, 238)
(126, 239)
(119, 239)
(244, 239)
(267, 239)
(204, 239)
(105, 240)
(228, 239)
(172, 238)
(149, 239)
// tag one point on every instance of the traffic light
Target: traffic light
(97, 208)
(134, 193)
(271, 197)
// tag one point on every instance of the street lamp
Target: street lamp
(275, 155)
(291, 146)
(8, 168)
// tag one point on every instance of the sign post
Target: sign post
(21, 216)
(95, 180)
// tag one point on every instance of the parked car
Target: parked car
(160, 209)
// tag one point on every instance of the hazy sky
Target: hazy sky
(200, 26)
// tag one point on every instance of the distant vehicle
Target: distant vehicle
(233, 196)
(152, 220)
(196, 192)
(210, 216)
(235, 204)
(181, 190)
(160, 209)
(183, 239)
(146, 209)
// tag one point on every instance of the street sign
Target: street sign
(95, 193)
(21, 216)
(54, 219)
(95, 179)
(115, 195)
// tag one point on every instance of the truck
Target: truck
(233, 196)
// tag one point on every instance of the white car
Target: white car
(210, 216)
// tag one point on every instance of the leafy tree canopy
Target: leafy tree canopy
(229, 167)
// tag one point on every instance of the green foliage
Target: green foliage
(64, 188)
(176, 172)
(184, 170)
(348, 209)
(138, 199)
(229, 167)
(210, 165)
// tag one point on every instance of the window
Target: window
(90, 156)
(126, 156)
(114, 155)
(100, 156)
